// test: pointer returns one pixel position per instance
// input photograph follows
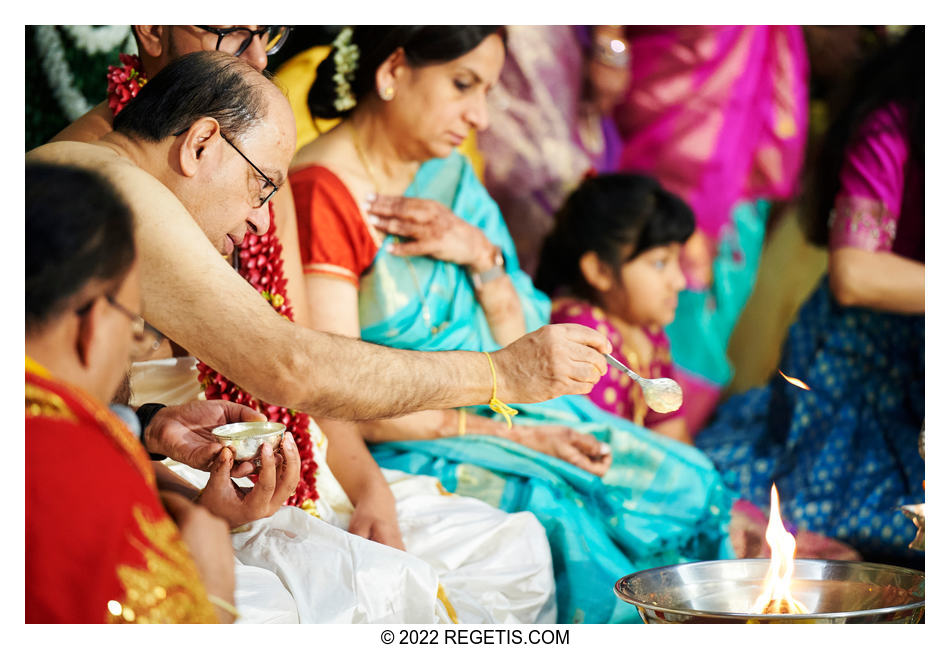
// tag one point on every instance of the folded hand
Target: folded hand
(432, 230)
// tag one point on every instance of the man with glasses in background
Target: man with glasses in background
(158, 45)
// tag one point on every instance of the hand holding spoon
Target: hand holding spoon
(661, 395)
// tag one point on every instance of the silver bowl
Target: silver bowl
(246, 437)
(836, 592)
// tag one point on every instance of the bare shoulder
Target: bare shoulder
(332, 150)
(80, 154)
(101, 159)
(143, 192)
(89, 127)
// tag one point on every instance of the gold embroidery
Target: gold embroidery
(860, 222)
(35, 368)
(41, 402)
(168, 589)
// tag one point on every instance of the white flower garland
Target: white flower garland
(91, 40)
(95, 40)
(346, 58)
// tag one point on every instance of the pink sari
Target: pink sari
(717, 113)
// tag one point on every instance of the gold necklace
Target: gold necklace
(426, 314)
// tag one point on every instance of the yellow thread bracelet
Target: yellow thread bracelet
(461, 422)
(495, 403)
(223, 605)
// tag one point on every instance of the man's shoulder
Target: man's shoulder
(86, 156)
(135, 184)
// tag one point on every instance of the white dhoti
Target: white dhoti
(465, 561)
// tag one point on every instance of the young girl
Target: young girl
(612, 263)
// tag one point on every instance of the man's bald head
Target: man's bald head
(201, 84)
(221, 137)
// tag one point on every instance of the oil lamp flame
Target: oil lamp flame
(798, 383)
(777, 595)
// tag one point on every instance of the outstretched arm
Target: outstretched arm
(580, 449)
(193, 296)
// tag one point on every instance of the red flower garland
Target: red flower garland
(124, 81)
(259, 262)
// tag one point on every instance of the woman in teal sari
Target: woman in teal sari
(403, 246)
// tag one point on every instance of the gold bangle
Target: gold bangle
(496, 404)
(223, 605)
(461, 422)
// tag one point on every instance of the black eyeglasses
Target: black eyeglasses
(146, 338)
(264, 177)
(234, 40)
(267, 180)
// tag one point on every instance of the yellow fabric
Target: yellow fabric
(35, 368)
(789, 271)
(296, 76)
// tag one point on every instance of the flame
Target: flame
(777, 594)
(798, 383)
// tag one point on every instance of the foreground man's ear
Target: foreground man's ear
(195, 143)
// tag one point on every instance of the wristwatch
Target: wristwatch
(497, 270)
(145, 413)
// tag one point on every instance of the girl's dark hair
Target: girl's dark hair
(423, 45)
(895, 73)
(77, 230)
(200, 84)
(618, 216)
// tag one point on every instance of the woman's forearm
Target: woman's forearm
(350, 460)
(285, 228)
(876, 280)
(502, 307)
(429, 424)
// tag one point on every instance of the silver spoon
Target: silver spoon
(661, 395)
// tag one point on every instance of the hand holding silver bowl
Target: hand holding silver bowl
(245, 438)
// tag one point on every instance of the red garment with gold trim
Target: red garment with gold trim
(99, 545)
(345, 247)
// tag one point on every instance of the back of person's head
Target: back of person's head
(617, 216)
(893, 74)
(196, 85)
(422, 44)
(78, 230)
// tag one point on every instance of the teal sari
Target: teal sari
(661, 503)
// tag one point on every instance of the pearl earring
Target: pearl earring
(387, 93)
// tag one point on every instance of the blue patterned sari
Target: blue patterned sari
(661, 503)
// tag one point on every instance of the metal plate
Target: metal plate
(836, 592)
